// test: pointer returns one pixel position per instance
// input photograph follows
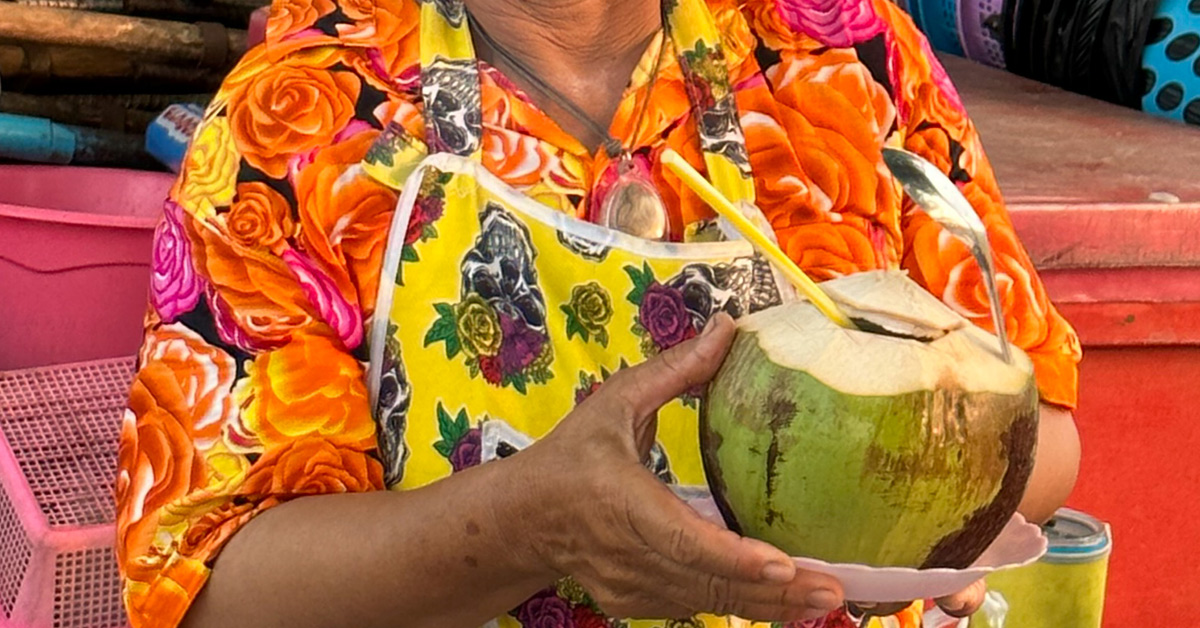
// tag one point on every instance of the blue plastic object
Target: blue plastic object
(1170, 63)
(168, 137)
(24, 138)
(939, 21)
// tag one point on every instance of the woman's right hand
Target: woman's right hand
(637, 549)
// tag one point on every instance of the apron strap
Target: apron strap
(698, 46)
(450, 80)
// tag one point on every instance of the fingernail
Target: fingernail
(823, 600)
(956, 606)
(778, 572)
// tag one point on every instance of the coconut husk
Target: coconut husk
(195, 45)
(57, 69)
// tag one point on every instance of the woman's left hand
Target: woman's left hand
(961, 604)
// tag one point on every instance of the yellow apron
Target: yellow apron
(502, 313)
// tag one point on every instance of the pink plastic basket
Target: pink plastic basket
(74, 261)
(59, 428)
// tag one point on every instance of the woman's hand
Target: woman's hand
(961, 604)
(634, 546)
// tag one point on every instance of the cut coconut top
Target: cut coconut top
(915, 342)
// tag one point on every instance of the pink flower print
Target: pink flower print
(174, 286)
(835, 23)
(333, 308)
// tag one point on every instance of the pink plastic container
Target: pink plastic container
(74, 261)
(59, 428)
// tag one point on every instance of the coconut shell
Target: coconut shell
(849, 446)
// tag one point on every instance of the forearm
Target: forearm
(455, 553)
(1055, 467)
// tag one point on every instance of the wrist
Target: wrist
(523, 519)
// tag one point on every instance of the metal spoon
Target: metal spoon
(935, 193)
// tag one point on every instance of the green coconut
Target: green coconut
(907, 443)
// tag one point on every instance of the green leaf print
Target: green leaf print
(518, 382)
(451, 430)
(461, 424)
(444, 329)
(574, 327)
(642, 278)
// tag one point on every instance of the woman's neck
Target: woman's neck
(585, 49)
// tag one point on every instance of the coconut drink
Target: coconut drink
(907, 442)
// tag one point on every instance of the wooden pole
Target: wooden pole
(184, 10)
(118, 112)
(60, 68)
(209, 45)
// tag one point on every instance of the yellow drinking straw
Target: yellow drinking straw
(726, 209)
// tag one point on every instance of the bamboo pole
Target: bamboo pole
(157, 39)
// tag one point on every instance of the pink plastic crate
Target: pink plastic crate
(59, 429)
(74, 261)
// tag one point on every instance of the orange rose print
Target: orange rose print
(259, 216)
(517, 158)
(163, 601)
(289, 17)
(345, 222)
(766, 21)
(284, 398)
(287, 110)
(203, 376)
(212, 530)
(828, 250)
(377, 24)
(264, 297)
(158, 463)
(839, 73)
(312, 466)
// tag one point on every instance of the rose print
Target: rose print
(500, 323)
(835, 23)
(664, 316)
(322, 293)
(490, 368)
(174, 287)
(521, 346)
(478, 328)
(545, 610)
(466, 452)
(585, 617)
(259, 217)
(460, 444)
(589, 310)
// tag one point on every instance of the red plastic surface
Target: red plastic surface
(1107, 201)
(1137, 419)
(74, 261)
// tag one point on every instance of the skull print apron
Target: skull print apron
(498, 314)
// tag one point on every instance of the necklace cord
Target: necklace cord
(612, 146)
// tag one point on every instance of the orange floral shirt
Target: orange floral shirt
(248, 395)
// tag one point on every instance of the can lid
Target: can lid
(1076, 537)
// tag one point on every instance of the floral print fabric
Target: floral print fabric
(252, 389)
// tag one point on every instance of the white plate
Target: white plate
(1020, 543)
